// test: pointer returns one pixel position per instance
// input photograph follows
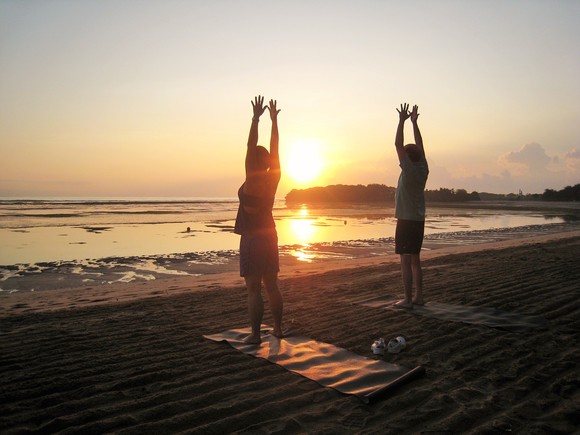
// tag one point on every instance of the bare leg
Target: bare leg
(417, 279)
(276, 302)
(407, 274)
(255, 307)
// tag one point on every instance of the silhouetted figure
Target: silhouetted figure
(410, 207)
(259, 260)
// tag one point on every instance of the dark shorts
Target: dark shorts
(259, 254)
(409, 236)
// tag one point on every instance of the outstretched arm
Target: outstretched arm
(416, 132)
(257, 109)
(403, 116)
(274, 137)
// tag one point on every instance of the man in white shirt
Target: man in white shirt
(410, 207)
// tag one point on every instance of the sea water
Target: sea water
(56, 229)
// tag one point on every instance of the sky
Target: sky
(152, 98)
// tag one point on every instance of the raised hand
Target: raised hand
(258, 106)
(414, 113)
(404, 112)
(273, 111)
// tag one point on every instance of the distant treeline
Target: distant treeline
(379, 193)
(342, 193)
(372, 193)
(568, 193)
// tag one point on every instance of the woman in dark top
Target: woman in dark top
(259, 242)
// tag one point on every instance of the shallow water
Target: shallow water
(52, 245)
(45, 231)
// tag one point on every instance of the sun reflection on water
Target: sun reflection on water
(301, 255)
(303, 230)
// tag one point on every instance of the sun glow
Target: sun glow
(302, 229)
(304, 162)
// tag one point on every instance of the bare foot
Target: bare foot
(278, 333)
(403, 304)
(253, 339)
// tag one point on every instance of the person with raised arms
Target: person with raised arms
(259, 257)
(410, 207)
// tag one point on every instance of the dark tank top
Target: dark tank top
(254, 223)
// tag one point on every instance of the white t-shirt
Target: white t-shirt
(410, 196)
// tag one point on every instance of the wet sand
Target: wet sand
(130, 357)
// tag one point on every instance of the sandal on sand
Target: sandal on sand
(396, 345)
(378, 347)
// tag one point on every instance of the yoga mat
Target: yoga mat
(487, 316)
(328, 365)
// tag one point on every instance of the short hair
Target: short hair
(413, 151)
(262, 157)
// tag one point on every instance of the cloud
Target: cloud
(572, 161)
(530, 169)
(531, 158)
(503, 182)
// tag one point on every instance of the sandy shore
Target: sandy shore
(130, 358)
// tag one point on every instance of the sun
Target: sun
(304, 162)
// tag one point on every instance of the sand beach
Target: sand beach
(130, 357)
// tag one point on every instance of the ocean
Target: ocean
(41, 230)
(146, 238)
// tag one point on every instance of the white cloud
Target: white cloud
(531, 158)
(572, 161)
(530, 169)
(503, 182)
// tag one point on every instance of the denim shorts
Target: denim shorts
(259, 254)
(409, 236)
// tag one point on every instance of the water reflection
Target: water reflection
(303, 231)
(139, 230)
(301, 254)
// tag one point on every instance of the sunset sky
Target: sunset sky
(107, 98)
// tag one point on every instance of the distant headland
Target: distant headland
(380, 193)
